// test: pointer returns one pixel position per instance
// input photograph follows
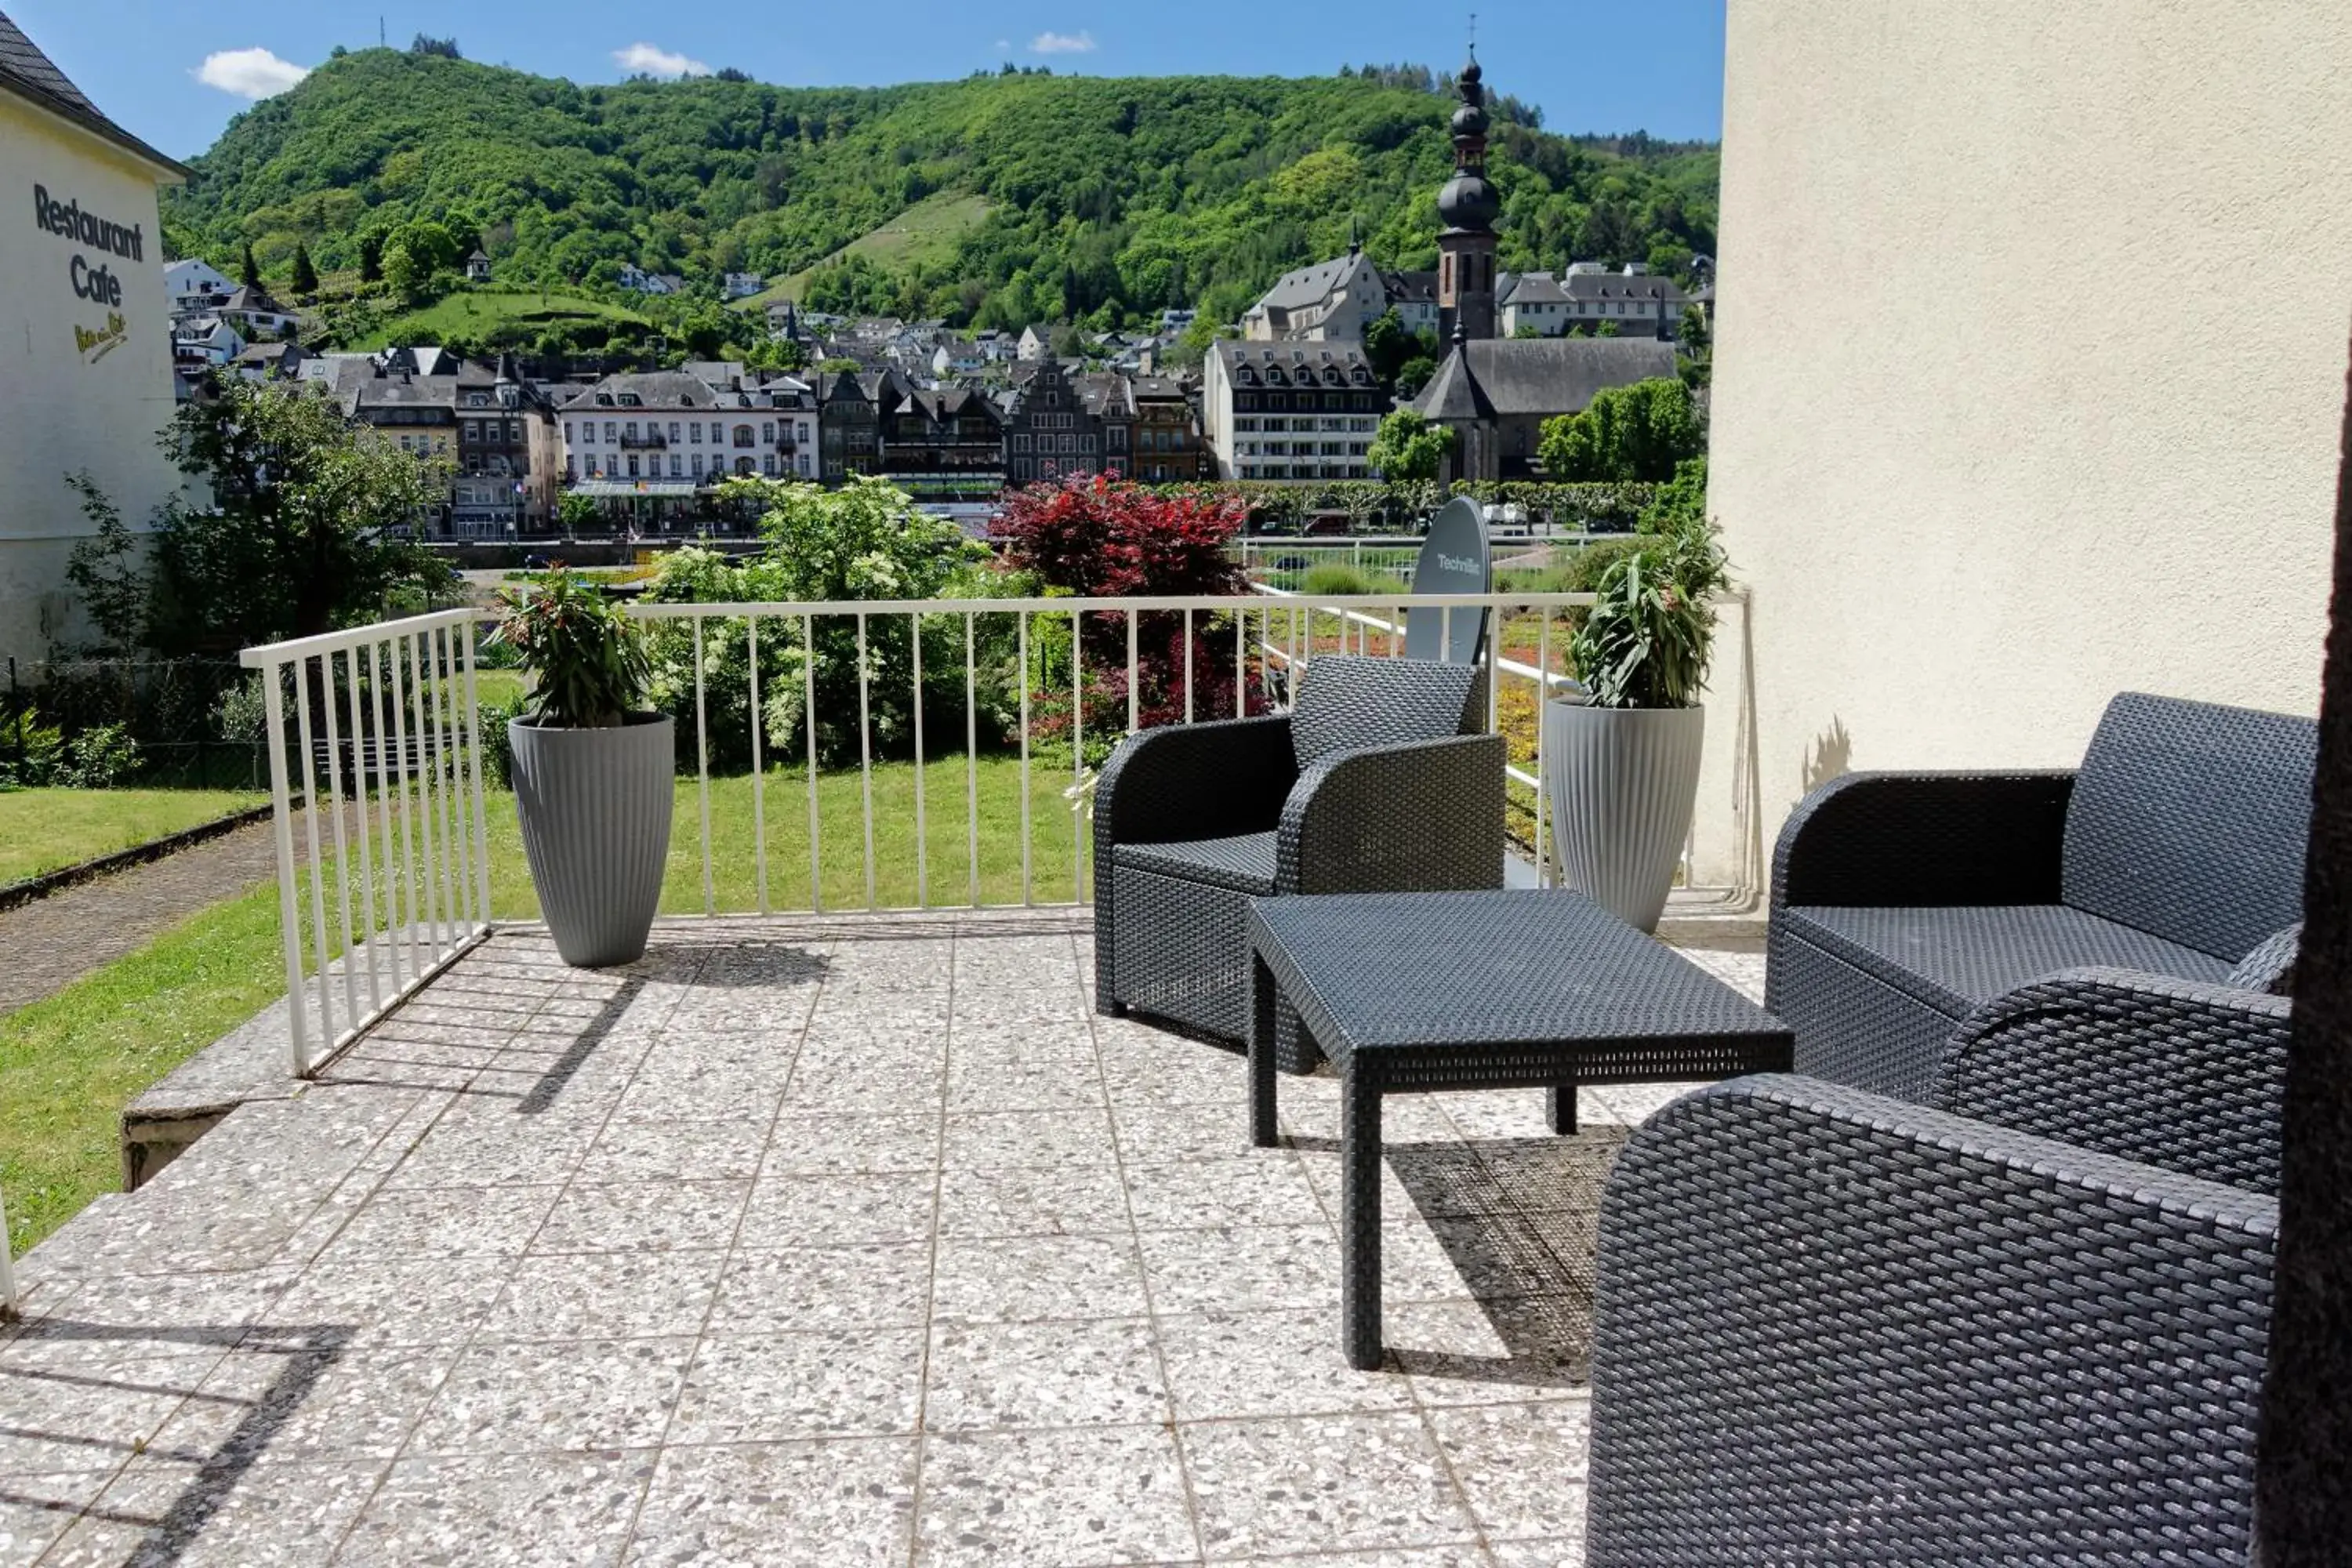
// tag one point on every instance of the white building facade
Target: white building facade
(85, 340)
(1302, 412)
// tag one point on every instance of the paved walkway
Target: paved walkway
(51, 942)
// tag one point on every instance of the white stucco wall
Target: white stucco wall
(2031, 384)
(61, 410)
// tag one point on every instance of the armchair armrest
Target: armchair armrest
(1423, 816)
(1832, 1327)
(2171, 1073)
(1194, 781)
(1923, 839)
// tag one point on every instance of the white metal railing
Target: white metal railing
(386, 761)
(393, 878)
(1285, 561)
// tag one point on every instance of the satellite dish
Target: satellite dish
(1454, 559)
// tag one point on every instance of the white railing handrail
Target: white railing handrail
(263, 656)
(1065, 605)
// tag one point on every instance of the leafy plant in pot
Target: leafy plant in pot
(591, 768)
(1621, 763)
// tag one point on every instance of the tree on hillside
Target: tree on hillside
(1388, 345)
(248, 270)
(372, 257)
(1407, 447)
(424, 44)
(297, 523)
(306, 274)
(1414, 375)
(1626, 433)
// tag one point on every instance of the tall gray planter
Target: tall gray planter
(595, 809)
(1622, 783)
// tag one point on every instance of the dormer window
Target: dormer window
(631, 400)
(604, 400)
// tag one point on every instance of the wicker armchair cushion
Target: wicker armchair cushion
(1245, 863)
(2271, 966)
(1957, 957)
(1348, 702)
(2189, 820)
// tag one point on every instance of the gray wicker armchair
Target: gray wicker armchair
(1834, 1328)
(1376, 781)
(1903, 903)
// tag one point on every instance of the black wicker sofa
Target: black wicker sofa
(1902, 905)
(1834, 1328)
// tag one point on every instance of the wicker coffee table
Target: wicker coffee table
(1413, 991)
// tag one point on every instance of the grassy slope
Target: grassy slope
(68, 1065)
(44, 830)
(925, 234)
(471, 311)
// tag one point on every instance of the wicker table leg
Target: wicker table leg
(1263, 1133)
(1560, 1103)
(1359, 1217)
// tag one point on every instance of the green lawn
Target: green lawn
(470, 312)
(925, 234)
(841, 837)
(68, 1065)
(45, 829)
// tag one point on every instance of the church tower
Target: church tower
(1467, 204)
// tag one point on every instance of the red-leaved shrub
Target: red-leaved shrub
(1101, 537)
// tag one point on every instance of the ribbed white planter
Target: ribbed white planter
(1622, 783)
(595, 808)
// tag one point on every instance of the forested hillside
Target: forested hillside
(1101, 199)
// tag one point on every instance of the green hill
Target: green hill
(925, 234)
(993, 200)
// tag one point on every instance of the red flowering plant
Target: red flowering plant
(1099, 536)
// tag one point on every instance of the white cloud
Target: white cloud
(653, 61)
(1003, 46)
(249, 73)
(1079, 43)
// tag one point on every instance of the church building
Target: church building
(1495, 394)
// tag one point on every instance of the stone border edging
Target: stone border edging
(16, 894)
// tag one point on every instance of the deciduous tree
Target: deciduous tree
(1626, 433)
(1407, 447)
(304, 524)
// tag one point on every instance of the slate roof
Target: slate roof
(34, 77)
(1283, 364)
(1495, 377)
(1310, 286)
(1414, 288)
(1617, 286)
(1531, 288)
(654, 389)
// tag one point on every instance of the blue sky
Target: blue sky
(1593, 65)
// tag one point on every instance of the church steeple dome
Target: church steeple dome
(1469, 205)
(1468, 201)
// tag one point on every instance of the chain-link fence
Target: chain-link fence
(182, 723)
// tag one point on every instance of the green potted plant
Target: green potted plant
(591, 768)
(1620, 759)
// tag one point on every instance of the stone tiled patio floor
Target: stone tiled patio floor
(841, 1242)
